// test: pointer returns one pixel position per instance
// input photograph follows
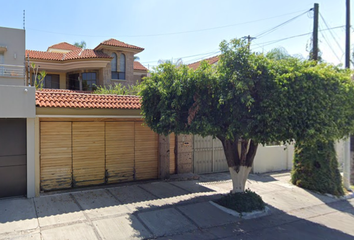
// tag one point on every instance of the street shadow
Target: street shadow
(130, 207)
(276, 225)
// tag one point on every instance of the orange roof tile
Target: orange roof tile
(64, 46)
(116, 43)
(139, 66)
(44, 55)
(76, 99)
(76, 54)
(211, 60)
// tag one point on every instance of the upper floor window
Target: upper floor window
(89, 81)
(114, 70)
(122, 66)
(114, 66)
(50, 81)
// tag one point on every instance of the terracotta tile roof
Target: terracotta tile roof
(139, 66)
(64, 46)
(44, 55)
(116, 43)
(72, 99)
(211, 60)
(76, 54)
(85, 53)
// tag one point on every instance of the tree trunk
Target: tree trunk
(239, 178)
(239, 156)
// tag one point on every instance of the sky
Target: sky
(187, 29)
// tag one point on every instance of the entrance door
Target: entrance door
(13, 157)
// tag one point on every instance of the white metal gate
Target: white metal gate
(208, 155)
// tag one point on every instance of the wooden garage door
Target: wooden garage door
(146, 144)
(119, 151)
(88, 153)
(56, 161)
(172, 153)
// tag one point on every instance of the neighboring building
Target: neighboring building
(17, 118)
(73, 68)
(211, 60)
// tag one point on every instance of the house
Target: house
(17, 118)
(70, 67)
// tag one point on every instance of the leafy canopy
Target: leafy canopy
(250, 96)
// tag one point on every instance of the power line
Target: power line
(330, 46)
(331, 33)
(279, 25)
(167, 34)
(295, 36)
(185, 56)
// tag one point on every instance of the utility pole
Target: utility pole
(347, 35)
(249, 39)
(315, 33)
(348, 166)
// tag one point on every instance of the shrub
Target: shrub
(246, 201)
(316, 168)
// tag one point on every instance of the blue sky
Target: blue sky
(171, 29)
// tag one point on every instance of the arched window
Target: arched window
(122, 66)
(114, 66)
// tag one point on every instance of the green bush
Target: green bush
(119, 89)
(247, 201)
(316, 168)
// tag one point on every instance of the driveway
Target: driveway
(177, 210)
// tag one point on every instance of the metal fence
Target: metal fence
(15, 71)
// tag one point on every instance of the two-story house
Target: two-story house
(17, 118)
(70, 67)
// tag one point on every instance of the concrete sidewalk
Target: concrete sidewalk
(177, 210)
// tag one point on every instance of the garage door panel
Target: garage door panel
(56, 160)
(120, 151)
(146, 158)
(13, 137)
(88, 153)
(10, 182)
(6, 161)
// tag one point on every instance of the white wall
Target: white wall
(273, 158)
(17, 102)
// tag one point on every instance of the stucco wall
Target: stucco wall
(273, 158)
(14, 41)
(17, 102)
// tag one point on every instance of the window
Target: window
(114, 66)
(89, 81)
(122, 66)
(50, 81)
(115, 73)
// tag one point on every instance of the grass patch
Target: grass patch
(247, 201)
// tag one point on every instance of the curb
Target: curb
(244, 215)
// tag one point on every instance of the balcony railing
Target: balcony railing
(15, 71)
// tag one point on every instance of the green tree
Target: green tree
(81, 44)
(248, 99)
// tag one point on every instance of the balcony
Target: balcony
(12, 74)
